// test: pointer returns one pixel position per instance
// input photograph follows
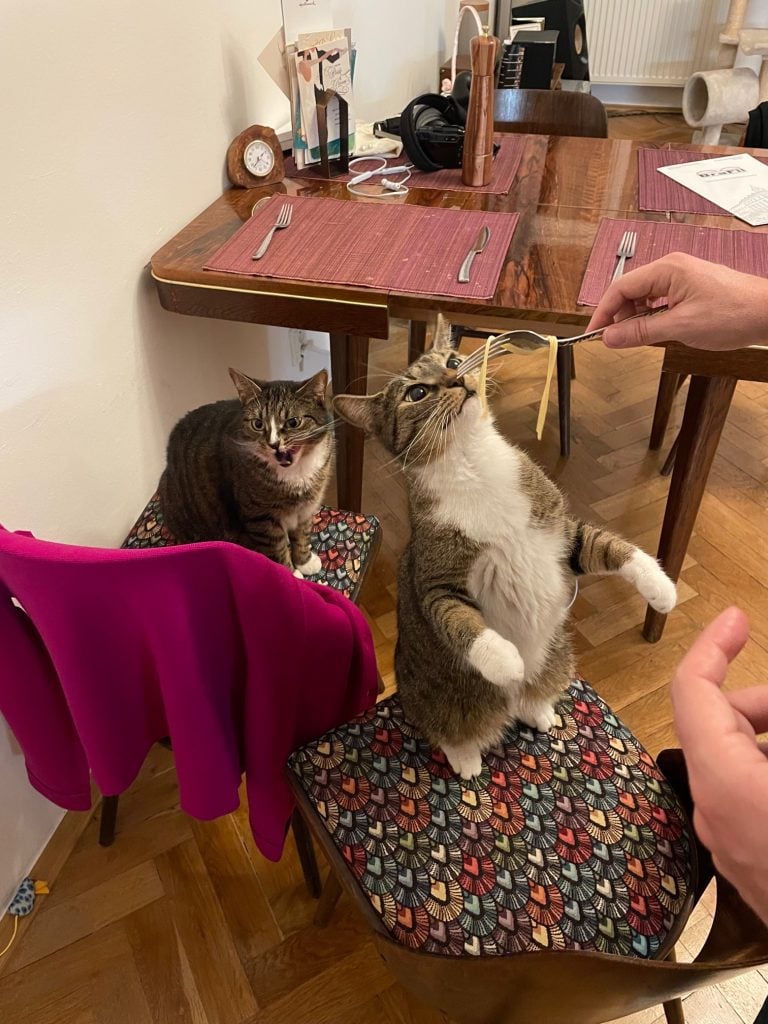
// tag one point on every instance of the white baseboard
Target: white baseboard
(639, 95)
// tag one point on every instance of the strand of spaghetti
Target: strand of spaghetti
(482, 378)
(551, 363)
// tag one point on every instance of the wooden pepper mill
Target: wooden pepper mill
(478, 140)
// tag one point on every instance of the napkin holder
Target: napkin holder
(330, 168)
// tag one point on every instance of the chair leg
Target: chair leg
(328, 900)
(417, 339)
(673, 1008)
(669, 385)
(306, 853)
(108, 820)
(573, 364)
(669, 462)
(564, 366)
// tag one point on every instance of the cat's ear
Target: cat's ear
(357, 410)
(247, 388)
(315, 386)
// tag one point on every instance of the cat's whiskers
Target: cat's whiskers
(435, 439)
(420, 436)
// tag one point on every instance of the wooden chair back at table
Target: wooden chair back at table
(549, 112)
(562, 986)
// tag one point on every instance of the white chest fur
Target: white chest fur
(517, 580)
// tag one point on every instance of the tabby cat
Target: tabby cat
(252, 471)
(488, 575)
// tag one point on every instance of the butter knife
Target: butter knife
(480, 244)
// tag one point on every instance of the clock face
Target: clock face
(259, 158)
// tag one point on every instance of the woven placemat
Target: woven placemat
(409, 249)
(741, 250)
(661, 194)
(505, 165)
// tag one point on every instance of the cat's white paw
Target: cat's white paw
(537, 712)
(465, 759)
(312, 566)
(651, 581)
(297, 574)
(497, 659)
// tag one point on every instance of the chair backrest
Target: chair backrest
(549, 112)
(107, 651)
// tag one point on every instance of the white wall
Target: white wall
(116, 119)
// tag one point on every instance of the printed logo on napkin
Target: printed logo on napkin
(738, 184)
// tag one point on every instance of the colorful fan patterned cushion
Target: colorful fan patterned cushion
(567, 840)
(343, 540)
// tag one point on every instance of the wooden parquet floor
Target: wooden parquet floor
(183, 921)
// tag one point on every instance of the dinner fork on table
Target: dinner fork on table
(625, 251)
(283, 220)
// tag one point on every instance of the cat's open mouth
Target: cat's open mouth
(287, 457)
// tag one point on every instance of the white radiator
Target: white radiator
(652, 42)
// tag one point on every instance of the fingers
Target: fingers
(645, 330)
(702, 712)
(652, 281)
(753, 704)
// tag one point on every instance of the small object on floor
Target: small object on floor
(22, 904)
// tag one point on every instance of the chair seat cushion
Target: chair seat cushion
(343, 540)
(567, 840)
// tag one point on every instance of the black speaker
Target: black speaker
(567, 17)
(539, 50)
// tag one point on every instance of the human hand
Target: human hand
(727, 769)
(710, 306)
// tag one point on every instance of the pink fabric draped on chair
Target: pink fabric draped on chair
(238, 662)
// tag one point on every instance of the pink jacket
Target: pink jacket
(213, 645)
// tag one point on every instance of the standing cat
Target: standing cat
(252, 471)
(487, 577)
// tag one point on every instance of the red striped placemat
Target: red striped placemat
(741, 250)
(505, 165)
(398, 248)
(659, 193)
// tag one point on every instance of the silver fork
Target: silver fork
(283, 220)
(530, 340)
(625, 251)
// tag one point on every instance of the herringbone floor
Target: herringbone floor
(183, 921)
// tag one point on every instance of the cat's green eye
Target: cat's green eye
(292, 423)
(257, 424)
(416, 392)
(453, 362)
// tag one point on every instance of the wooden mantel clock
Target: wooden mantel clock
(255, 158)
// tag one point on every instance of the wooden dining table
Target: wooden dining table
(564, 187)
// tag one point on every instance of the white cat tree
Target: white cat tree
(714, 98)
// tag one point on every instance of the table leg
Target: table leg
(349, 373)
(706, 409)
(417, 339)
(669, 385)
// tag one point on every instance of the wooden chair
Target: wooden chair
(549, 112)
(362, 789)
(347, 543)
(538, 112)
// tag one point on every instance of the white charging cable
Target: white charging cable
(447, 84)
(391, 188)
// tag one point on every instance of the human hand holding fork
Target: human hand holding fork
(283, 220)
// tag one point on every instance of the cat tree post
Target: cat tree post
(734, 21)
(753, 42)
(714, 98)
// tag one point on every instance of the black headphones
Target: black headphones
(432, 130)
